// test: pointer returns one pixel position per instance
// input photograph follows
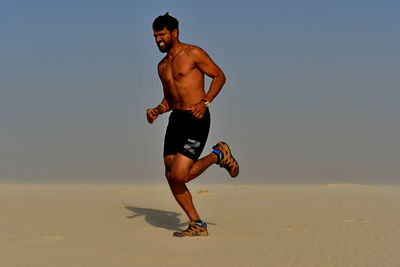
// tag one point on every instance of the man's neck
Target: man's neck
(176, 47)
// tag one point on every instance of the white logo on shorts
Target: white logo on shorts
(191, 145)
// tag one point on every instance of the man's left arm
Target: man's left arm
(206, 65)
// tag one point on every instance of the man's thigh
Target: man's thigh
(181, 166)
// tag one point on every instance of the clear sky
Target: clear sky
(312, 92)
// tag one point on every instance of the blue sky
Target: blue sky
(311, 97)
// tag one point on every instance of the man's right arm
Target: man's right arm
(164, 106)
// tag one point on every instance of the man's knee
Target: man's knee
(179, 176)
(177, 168)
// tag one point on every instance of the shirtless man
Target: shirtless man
(182, 75)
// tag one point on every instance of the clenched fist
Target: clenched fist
(152, 114)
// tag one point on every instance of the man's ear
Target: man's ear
(175, 33)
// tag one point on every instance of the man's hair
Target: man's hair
(165, 21)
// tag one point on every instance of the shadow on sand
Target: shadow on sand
(160, 218)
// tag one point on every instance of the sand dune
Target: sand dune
(132, 225)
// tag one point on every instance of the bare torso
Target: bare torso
(183, 81)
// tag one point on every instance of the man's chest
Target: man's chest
(178, 69)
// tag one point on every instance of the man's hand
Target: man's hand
(152, 114)
(197, 109)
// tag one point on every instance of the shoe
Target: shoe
(226, 160)
(194, 229)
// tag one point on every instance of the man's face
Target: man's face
(163, 39)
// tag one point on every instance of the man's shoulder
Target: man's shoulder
(194, 51)
(162, 61)
(161, 64)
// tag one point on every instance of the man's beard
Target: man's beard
(165, 49)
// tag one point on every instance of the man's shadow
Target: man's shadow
(159, 218)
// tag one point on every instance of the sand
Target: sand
(249, 225)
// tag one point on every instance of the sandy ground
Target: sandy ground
(265, 225)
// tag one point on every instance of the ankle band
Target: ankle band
(200, 222)
(219, 155)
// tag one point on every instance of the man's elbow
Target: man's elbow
(222, 77)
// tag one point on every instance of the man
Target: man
(182, 75)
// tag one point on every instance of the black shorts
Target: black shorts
(186, 134)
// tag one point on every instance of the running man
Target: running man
(181, 72)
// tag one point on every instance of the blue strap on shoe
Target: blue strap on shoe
(200, 222)
(219, 155)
